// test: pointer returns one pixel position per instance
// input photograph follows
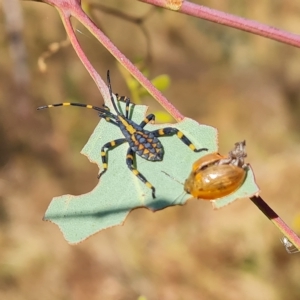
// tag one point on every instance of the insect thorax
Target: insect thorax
(143, 142)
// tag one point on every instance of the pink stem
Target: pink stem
(219, 17)
(85, 61)
(123, 60)
(276, 220)
(68, 8)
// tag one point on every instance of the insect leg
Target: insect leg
(108, 119)
(127, 101)
(171, 131)
(104, 150)
(129, 161)
(148, 119)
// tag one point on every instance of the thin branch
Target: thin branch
(125, 62)
(229, 20)
(68, 8)
(65, 15)
(139, 21)
(276, 220)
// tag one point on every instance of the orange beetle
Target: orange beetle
(214, 176)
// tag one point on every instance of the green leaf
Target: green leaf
(162, 117)
(161, 82)
(119, 190)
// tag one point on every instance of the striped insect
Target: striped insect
(141, 141)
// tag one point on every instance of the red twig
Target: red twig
(68, 8)
(276, 220)
(233, 21)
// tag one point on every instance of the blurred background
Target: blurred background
(244, 85)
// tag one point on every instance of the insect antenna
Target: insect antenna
(111, 95)
(104, 112)
(180, 197)
(172, 177)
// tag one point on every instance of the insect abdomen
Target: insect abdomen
(147, 146)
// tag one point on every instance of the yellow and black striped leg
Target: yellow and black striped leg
(148, 119)
(108, 119)
(104, 150)
(127, 101)
(171, 131)
(69, 104)
(106, 107)
(123, 99)
(129, 161)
